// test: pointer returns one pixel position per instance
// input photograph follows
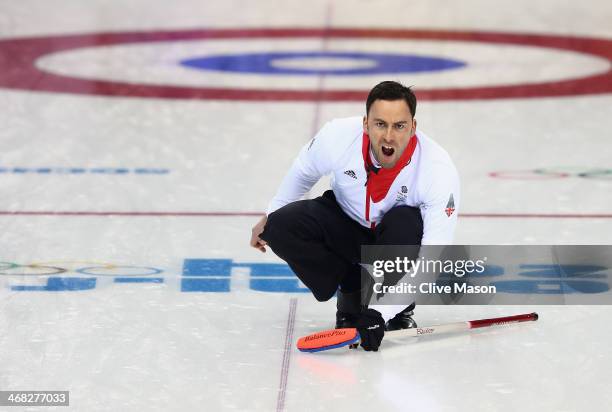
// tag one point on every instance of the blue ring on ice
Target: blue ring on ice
(263, 63)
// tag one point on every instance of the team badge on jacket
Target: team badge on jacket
(450, 206)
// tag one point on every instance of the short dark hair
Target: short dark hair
(390, 90)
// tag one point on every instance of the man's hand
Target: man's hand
(256, 242)
(371, 327)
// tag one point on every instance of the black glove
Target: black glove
(371, 327)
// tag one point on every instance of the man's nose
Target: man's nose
(388, 136)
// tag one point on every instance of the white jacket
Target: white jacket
(428, 181)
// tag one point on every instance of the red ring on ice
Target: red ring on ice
(18, 65)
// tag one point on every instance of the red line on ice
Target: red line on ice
(256, 214)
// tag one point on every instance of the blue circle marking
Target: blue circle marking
(367, 63)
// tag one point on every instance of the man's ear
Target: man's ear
(414, 126)
(365, 124)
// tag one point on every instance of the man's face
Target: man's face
(390, 126)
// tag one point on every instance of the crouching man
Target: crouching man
(390, 185)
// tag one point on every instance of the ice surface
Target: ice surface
(140, 331)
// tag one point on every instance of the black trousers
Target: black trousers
(322, 244)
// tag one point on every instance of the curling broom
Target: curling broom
(336, 338)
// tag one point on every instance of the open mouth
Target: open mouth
(387, 150)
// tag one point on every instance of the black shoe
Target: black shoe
(402, 320)
(349, 308)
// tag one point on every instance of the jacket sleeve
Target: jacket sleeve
(440, 206)
(314, 161)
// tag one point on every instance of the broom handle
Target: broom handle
(463, 326)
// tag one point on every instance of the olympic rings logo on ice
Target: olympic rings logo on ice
(554, 173)
(80, 267)
(196, 275)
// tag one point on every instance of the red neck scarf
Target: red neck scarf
(380, 179)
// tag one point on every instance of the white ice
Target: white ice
(151, 346)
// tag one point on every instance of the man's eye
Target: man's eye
(400, 126)
(379, 124)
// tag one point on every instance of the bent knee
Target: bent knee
(401, 225)
(324, 296)
(277, 223)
